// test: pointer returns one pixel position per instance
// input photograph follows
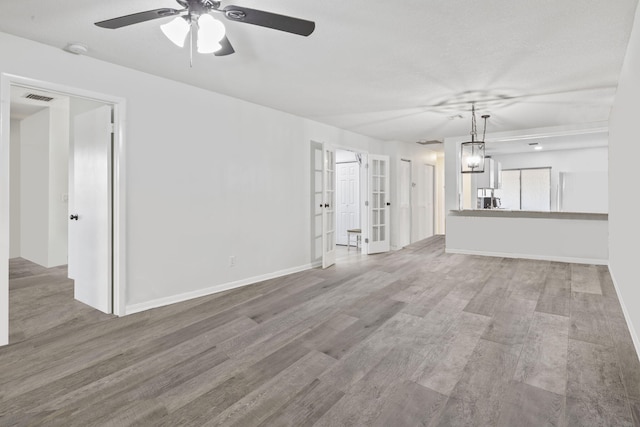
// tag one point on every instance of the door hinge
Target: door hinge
(112, 127)
(366, 203)
(366, 240)
(366, 165)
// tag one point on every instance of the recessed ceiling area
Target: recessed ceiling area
(403, 72)
(549, 142)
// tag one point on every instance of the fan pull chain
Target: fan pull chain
(191, 46)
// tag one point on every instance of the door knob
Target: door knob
(74, 216)
(388, 204)
(326, 205)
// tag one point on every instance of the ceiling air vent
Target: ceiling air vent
(431, 142)
(39, 97)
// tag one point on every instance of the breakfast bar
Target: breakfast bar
(556, 236)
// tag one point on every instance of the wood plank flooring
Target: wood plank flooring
(415, 337)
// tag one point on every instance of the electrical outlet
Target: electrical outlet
(232, 261)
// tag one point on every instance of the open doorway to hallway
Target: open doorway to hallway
(48, 164)
(348, 199)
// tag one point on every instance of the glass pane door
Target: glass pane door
(379, 203)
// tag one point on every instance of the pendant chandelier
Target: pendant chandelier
(472, 152)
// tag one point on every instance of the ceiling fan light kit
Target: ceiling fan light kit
(211, 38)
(176, 30)
(210, 32)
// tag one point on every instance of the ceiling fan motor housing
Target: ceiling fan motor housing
(199, 7)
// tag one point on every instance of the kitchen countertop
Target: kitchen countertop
(505, 213)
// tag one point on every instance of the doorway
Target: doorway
(424, 203)
(373, 200)
(42, 205)
(348, 196)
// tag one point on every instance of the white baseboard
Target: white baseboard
(530, 256)
(159, 302)
(632, 330)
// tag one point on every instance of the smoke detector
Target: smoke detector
(77, 48)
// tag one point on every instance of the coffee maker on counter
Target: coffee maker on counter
(487, 199)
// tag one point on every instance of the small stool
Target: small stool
(358, 233)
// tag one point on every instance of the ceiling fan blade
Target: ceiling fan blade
(269, 20)
(226, 49)
(136, 18)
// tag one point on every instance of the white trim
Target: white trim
(632, 330)
(159, 302)
(573, 260)
(119, 196)
(5, 140)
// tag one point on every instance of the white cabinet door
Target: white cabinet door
(328, 206)
(90, 222)
(379, 203)
(486, 179)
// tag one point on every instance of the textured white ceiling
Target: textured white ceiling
(393, 70)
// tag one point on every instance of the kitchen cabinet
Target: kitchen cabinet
(492, 175)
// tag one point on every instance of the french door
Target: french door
(379, 204)
(328, 206)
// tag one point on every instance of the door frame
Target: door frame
(399, 189)
(433, 198)
(118, 189)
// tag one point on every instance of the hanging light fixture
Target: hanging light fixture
(472, 152)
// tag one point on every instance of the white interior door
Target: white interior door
(425, 202)
(379, 204)
(428, 172)
(347, 199)
(404, 204)
(328, 206)
(90, 238)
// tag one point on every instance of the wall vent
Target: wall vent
(39, 97)
(430, 142)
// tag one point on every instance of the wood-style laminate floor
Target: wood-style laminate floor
(411, 338)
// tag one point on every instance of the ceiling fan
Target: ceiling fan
(198, 15)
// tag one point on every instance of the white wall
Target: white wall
(579, 160)
(14, 215)
(235, 181)
(43, 170)
(440, 211)
(34, 187)
(58, 181)
(344, 156)
(624, 152)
